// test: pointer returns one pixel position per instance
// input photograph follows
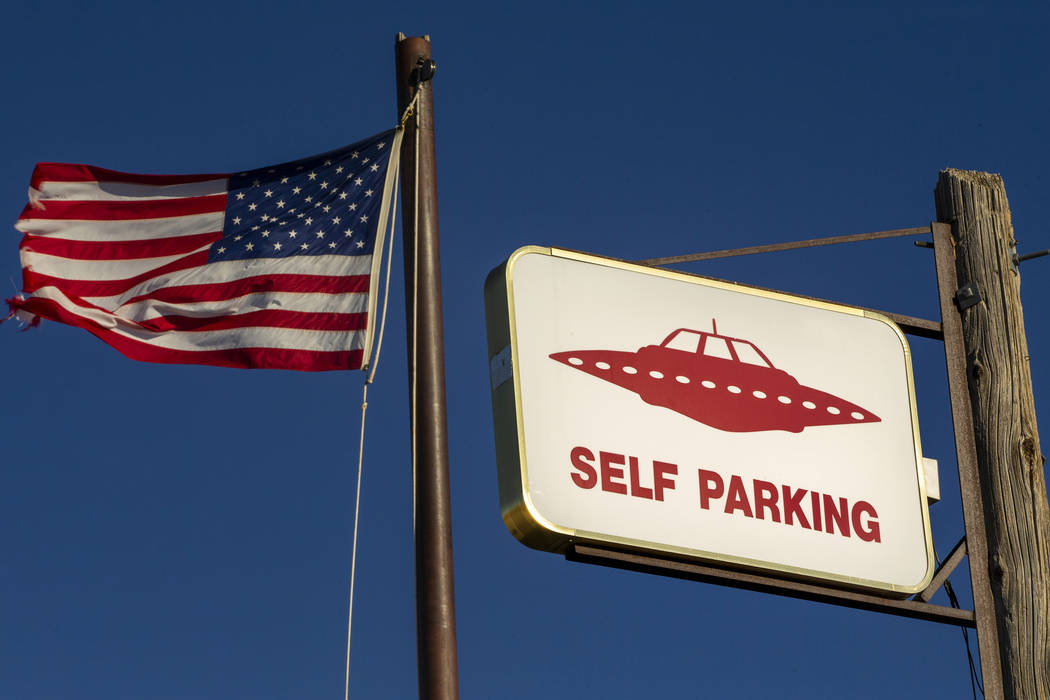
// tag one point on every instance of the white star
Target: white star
(360, 244)
(349, 232)
(336, 220)
(297, 190)
(339, 170)
(318, 203)
(312, 175)
(368, 193)
(328, 162)
(255, 228)
(276, 246)
(332, 244)
(280, 203)
(256, 183)
(365, 160)
(342, 195)
(353, 206)
(265, 217)
(375, 167)
(364, 218)
(236, 219)
(222, 250)
(291, 211)
(304, 246)
(292, 234)
(249, 246)
(300, 215)
(380, 144)
(240, 195)
(268, 193)
(327, 209)
(284, 181)
(354, 155)
(309, 221)
(324, 185)
(358, 181)
(309, 199)
(251, 207)
(265, 234)
(237, 238)
(320, 234)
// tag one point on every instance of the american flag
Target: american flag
(270, 268)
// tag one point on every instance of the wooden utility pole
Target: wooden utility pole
(1009, 461)
(435, 599)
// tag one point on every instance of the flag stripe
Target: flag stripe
(123, 211)
(109, 270)
(58, 308)
(220, 291)
(115, 231)
(268, 318)
(312, 303)
(32, 280)
(71, 172)
(117, 191)
(198, 272)
(127, 250)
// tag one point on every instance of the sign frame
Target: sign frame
(524, 520)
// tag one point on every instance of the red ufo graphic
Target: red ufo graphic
(723, 382)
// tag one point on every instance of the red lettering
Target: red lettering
(814, 500)
(871, 532)
(711, 486)
(587, 478)
(636, 487)
(838, 517)
(660, 481)
(737, 498)
(766, 497)
(793, 507)
(607, 459)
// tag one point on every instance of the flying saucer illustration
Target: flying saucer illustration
(723, 382)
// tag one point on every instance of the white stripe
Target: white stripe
(124, 191)
(251, 337)
(347, 303)
(129, 230)
(219, 272)
(96, 270)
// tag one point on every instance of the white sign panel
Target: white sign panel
(656, 410)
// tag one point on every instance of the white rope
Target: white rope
(353, 547)
(395, 163)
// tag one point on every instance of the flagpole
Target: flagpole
(435, 601)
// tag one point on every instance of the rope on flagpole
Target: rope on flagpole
(395, 157)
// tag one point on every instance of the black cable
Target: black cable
(974, 678)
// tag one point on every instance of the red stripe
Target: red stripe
(32, 281)
(72, 172)
(259, 358)
(125, 210)
(220, 291)
(270, 318)
(117, 250)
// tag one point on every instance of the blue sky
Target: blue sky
(184, 532)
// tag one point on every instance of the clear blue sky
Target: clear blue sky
(184, 532)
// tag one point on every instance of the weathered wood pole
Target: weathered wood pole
(1009, 461)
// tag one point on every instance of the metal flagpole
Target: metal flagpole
(435, 602)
